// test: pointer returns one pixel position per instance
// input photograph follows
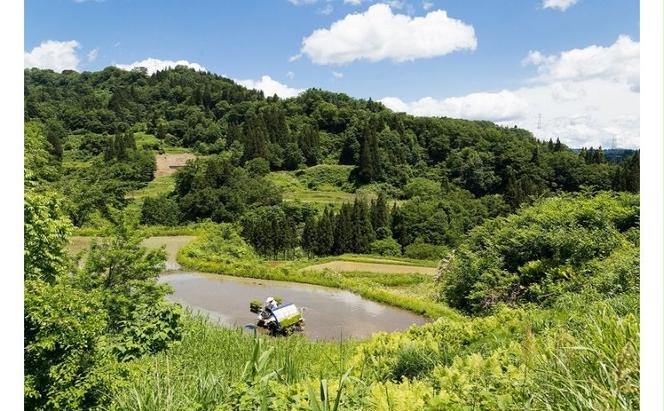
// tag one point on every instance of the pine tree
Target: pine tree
(558, 146)
(363, 233)
(369, 167)
(310, 236)
(255, 137)
(513, 191)
(343, 230)
(309, 145)
(325, 231)
(379, 215)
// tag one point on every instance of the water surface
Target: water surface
(330, 314)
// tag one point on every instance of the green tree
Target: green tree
(162, 210)
(362, 231)
(255, 137)
(310, 236)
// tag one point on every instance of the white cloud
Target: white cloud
(581, 113)
(427, 5)
(500, 106)
(337, 74)
(270, 87)
(378, 34)
(353, 2)
(290, 75)
(153, 65)
(295, 58)
(561, 5)
(301, 2)
(92, 55)
(54, 55)
(326, 10)
(618, 62)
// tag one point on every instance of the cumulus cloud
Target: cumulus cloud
(290, 75)
(378, 34)
(353, 2)
(427, 5)
(500, 106)
(561, 5)
(301, 2)
(608, 110)
(153, 65)
(270, 87)
(618, 62)
(337, 74)
(54, 55)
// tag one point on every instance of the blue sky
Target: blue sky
(575, 62)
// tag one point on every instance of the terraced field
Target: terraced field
(351, 266)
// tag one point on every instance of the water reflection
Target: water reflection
(329, 313)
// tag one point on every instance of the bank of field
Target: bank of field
(351, 266)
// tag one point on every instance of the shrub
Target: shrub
(257, 167)
(425, 251)
(412, 361)
(421, 187)
(386, 246)
(161, 210)
(545, 250)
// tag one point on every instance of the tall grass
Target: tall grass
(200, 371)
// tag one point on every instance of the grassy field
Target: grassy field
(352, 266)
(319, 186)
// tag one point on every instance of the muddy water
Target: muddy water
(330, 314)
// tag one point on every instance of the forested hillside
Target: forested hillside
(448, 175)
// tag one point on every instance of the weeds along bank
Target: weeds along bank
(578, 355)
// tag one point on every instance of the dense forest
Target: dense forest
(447, 174)
(534, 304)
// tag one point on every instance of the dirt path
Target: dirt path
(167, 164)
(371, 267)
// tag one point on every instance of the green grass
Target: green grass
(158, 186)
(144, 139)
(211, 364)
(176, 150)
(372, 258)
(307, 186)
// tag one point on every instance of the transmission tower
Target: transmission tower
(614, 143)
(539, 121)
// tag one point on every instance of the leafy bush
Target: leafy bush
(422, 187)
(555, 246)
(386, 246)
(424, 251)
(162, 210)
(258, 166)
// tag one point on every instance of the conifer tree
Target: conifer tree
(363, 233)
(369, 166)
(558, 146)
(310, 236)
(255, 137)
(325, 232)
(343, 230)
(309, 145)
(379, 214)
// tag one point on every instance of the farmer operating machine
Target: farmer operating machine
(278, 319)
